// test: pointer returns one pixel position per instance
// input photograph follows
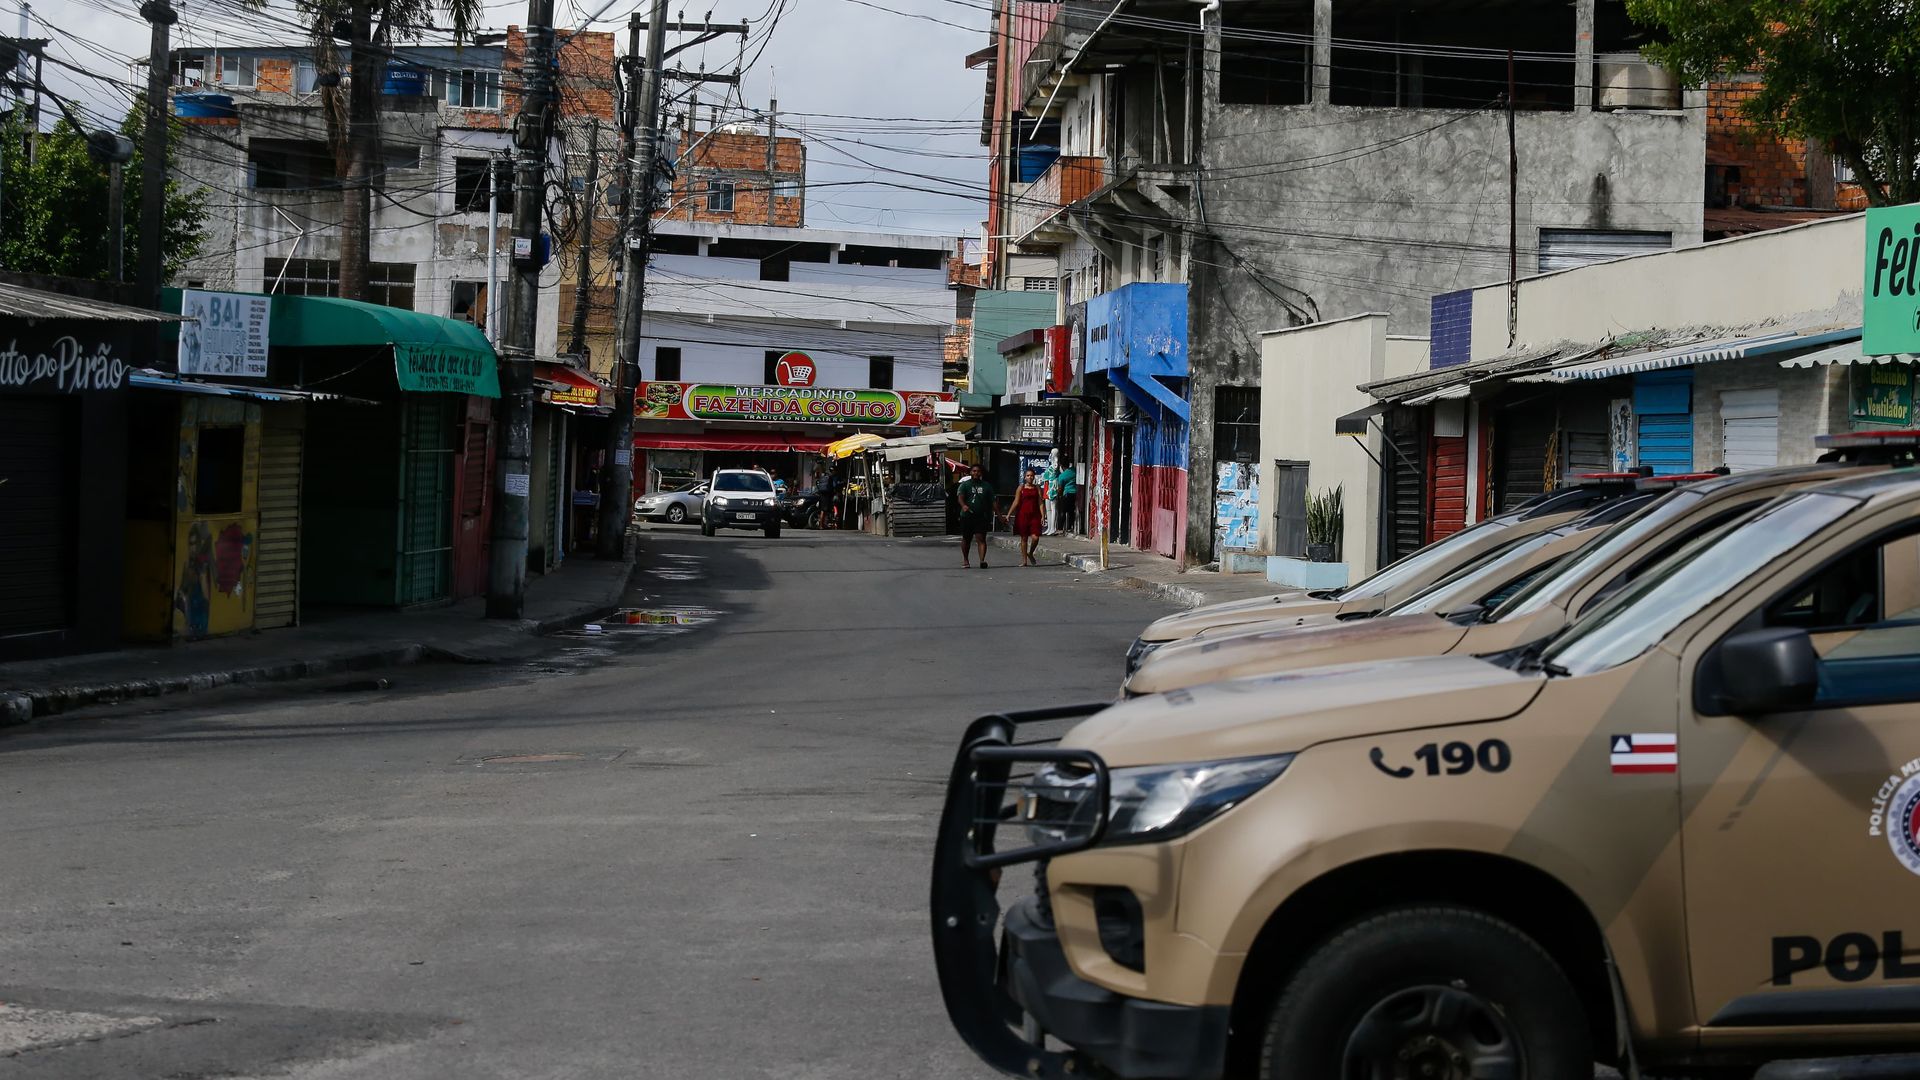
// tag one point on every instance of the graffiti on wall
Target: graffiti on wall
(1237, 505)
(213, 565)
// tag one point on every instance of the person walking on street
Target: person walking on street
(1062, 490)
(976, 514)
(1027, 513)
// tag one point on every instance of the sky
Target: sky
(832, 64)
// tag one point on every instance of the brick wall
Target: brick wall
(273, 76)
(707, 157)
(1772, 170)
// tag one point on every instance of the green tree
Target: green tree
(1845, 73)
(53, 210)
(372, 28)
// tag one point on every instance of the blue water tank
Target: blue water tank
(404, 81)
(1035, 160)
(203, 106)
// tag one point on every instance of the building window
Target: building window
(666, 364)
(237, 71)
(786, 189)
(387, 283)
(1040, 284)
(306, 77)
(720, 196)
(468, 89)
(770, 373)
(218, 472)
(472, 183)
(469, 303)
(189, 69)
(880, 372)
(290, 164)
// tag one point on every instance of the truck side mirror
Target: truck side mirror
(1756, 672)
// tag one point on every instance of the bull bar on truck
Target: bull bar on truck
(1009, 988)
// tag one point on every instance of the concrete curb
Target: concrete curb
(1184, 595)
(37, 703)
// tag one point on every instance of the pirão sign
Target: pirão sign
(1892, 285)
(784, 404)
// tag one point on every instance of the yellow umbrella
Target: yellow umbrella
(851, 445)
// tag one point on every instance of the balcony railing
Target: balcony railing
(1066, 181)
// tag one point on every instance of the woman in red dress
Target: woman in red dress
(1028, 515)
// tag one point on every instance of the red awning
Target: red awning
(563, 377)
(771, 442)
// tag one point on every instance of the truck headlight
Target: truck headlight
(1139, 651)
(1160, 802)
(1145, 803)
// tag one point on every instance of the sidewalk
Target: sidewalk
(328, 642)
(1155, 574)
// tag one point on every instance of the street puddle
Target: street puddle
(651, 620)
(680, 567)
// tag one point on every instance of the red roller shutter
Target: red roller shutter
(1446, 487)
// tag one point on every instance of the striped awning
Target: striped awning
(1697, 352)
(1851, 352)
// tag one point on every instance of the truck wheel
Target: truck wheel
(1440, 993)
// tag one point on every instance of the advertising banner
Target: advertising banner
(227, 334)
(1892, 281)
(786, 404)
(1882, 395)
(448, 369)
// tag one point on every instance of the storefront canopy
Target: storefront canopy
(919, 446)
(1851, 352)
(1732, 347)
(753, 441)
(430, 353)
(150, 379)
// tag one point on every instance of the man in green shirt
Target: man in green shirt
(976, 514)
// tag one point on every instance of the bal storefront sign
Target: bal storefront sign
(1892, 285)
(784, 404)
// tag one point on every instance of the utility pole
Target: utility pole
(116, 212)
(507, 585)
(153, 170)
(616, 487)
(583, 274)
(1513, 214)
(363, 147)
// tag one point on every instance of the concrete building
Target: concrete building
(761, 344)
(1293, 163)
(1735, 353)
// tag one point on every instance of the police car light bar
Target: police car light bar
(1846, 440)
(1600, 479)
(1654, 483)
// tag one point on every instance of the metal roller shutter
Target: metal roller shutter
(277, 541)
(37, 531)
(1750, 428)
(1663, 411)
(1406, 486)
(1520, 453)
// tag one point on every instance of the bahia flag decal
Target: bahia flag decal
(1645, 753)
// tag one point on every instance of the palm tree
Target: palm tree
(371, 28)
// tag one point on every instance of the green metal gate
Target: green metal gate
(426, 498)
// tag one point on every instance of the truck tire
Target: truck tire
(706, 527)
(1432, 991)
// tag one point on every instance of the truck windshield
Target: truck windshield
(1473, 581)
(1648, 610)
(1428, 560)
(1553, 586)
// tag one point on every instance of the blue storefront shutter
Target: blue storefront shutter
(1663, 409)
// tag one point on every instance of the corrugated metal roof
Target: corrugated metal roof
(24, 303)
(1421, 382)
(1724, 347)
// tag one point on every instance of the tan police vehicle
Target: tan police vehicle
(1683, 836)
(1533, 613)
(1400, 580)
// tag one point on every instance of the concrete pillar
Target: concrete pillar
(1583, 55)
(1323, 50)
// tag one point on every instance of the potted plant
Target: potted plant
(1325, 523)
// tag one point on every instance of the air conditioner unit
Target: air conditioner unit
(1626, 81)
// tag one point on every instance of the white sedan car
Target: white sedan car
(672, 507)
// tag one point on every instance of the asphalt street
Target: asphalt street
(696, 847)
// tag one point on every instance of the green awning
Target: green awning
(430, 353)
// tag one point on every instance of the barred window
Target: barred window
(390, 284)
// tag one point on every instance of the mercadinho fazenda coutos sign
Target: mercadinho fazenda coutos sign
(784, 404)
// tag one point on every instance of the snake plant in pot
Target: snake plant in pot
(1325, 523)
